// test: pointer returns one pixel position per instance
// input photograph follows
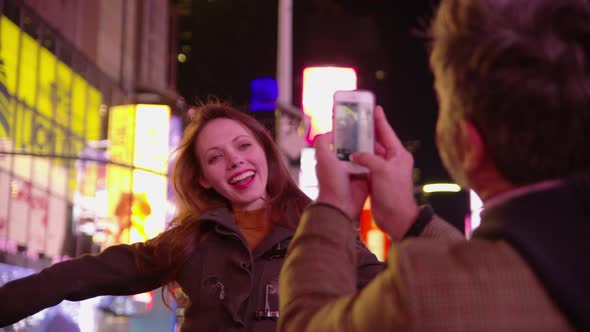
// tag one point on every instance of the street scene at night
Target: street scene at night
(281, 165)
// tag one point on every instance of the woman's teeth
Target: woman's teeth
(241, 177)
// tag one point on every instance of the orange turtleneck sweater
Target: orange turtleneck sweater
(254, 225)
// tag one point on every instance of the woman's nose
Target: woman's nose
(234, 160)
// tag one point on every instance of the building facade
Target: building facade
(65, 65)
(85, 87)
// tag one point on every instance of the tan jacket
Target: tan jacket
(437, 282)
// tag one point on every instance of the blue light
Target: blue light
(263, 94)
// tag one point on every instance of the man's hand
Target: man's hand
(337, 186)
(390, 180)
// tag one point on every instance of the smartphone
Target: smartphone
(353, 124)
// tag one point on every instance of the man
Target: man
(513, 81)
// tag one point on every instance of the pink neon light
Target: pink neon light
(319, 85)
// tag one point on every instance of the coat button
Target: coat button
(245, 265)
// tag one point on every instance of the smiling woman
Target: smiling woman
(222, 144)
(237, 210)
(234, 164)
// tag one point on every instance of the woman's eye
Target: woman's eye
(214, 159)
(244, 146)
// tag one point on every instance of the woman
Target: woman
(237, 210)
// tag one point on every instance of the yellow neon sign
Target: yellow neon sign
(138, 136)
(46, 107)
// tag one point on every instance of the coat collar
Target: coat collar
(225, 223)
(274, 241)
(550, 230)
(220, 216)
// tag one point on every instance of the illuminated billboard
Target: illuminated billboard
(48, 113)
(319, 85)
(137, 179)
(45, 107)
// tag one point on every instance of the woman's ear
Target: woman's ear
(204, 182)
(473, 146)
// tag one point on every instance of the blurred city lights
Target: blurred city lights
(441, 187)
(308, 181)
(319, 85)
(380, 74)
(476, 206)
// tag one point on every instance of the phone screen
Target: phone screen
(352, 120)
(346, 132)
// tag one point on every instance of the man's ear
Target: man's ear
(204, 182)
(473, 146)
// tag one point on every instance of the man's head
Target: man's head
(513, 80)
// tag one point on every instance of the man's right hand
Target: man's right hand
(390, 180)
(336, 185)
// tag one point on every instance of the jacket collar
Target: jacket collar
(275, 241)
(220, 216)
(225, 223)
(550, 230)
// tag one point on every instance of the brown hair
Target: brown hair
(520, 71)
(286, 200)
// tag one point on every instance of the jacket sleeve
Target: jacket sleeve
(318, 286)
(429, 225)
(368, 266)
(114, 271)
(440, 229)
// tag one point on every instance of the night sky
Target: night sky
(235, 41)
